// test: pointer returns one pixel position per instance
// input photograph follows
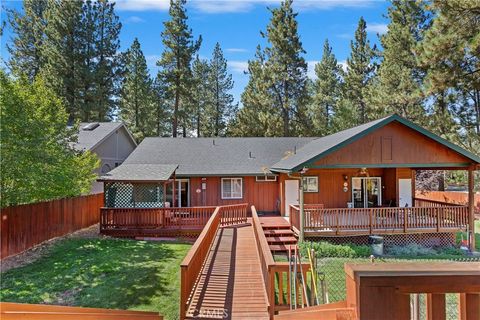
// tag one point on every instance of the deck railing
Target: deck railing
(427, 203)
(381, 220)
(234, 214)
(191, 266)
(266, 261)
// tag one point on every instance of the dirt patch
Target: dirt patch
(43, 248)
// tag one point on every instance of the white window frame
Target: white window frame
(266, 178)
(231, 191)
(305, 184)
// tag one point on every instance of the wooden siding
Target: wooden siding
(263, 195)
(330, 185)
(407, 147)
(28, 225)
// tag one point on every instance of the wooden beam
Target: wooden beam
(436, 307)
(469, 306)
(471, 207)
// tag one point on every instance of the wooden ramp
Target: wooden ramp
(231, 284)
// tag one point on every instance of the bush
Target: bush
(411, 250)
(325, 249)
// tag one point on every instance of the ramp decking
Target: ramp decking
(231, 285)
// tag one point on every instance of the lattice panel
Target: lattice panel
(133, 195)
(424, 239)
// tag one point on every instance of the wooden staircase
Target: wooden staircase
(278, 232)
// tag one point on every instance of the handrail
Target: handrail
(266, 261)
(233, 214)
(192, 264)
(418, 203)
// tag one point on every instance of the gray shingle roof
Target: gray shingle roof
(215, 156)
(140, 172)
(89, 139)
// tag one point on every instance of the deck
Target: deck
(231, 285)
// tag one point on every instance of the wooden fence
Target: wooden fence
(450, 197)
(27, 225)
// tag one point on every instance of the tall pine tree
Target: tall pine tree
(222, 109)
(201, 97)
(280, 91)
(398, 86)
(137, 100)
(26, 57)
(327, 92)
(175, 64)
(360, 70)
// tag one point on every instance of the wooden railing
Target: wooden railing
(234, 214)
(308, 209)
(191, 266)
(17, 311)
(427, 203)
(266, 261)
(112, 219)
(392, 284)
(381, 220)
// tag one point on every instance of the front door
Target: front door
(291, 194)
(182, 193)
(405, 192)
(367, 192)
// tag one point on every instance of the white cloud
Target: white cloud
(225, 6)
(236, 50)
(238, 66)
(142, 5)
(343, 64)
(134, 19)
(379, 28)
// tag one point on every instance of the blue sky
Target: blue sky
(236, 25)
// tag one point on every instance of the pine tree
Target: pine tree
(107, 67)
(201, 97)
(277, 89)
(163, 125)
(222, 109)
(26, 57)
(450, 51)
(360, 70)
(137, 101)
(64, 61)
(175, 63)
(327, 91)
(398, 86)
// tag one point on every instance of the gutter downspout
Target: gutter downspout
(301, 236)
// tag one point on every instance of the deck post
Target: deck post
(302, 212)
(471, 208)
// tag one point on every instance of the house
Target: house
(110, 141)
(353, 183)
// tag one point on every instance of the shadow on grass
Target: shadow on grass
(102, 273)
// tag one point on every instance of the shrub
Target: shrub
(411, 250)
(325, 249)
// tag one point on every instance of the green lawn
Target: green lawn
(104, 273)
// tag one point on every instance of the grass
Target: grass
(102, 273)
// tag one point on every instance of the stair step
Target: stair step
(279, 232)
(276, 227)
(281, 240)
(278, 248)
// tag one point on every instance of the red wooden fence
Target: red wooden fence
(27, 225)
(450, 197)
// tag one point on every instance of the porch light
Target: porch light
(304, 170)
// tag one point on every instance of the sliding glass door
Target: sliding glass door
(367, 192)
(182, 193)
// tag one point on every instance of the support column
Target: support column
(471, 208)
(436, 306)
(302, 212)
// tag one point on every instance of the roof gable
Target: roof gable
(90, 139)
(325, 146)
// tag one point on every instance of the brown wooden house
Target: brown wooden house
(356, 182)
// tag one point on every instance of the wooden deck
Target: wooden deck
(231, 285)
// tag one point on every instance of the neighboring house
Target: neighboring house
(110, 141)
(354, 182)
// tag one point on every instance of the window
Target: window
(265, 178)
(232, 188)
(310, 184)
(106, 168)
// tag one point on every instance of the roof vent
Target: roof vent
(91, 126)
(250, 155)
